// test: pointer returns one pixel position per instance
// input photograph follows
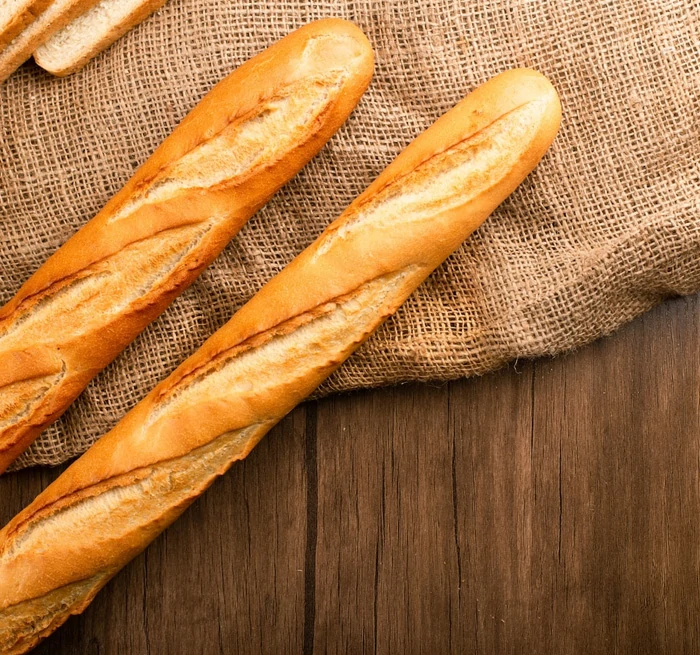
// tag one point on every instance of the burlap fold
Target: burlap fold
(605, 228)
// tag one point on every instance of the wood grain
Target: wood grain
(550, 507)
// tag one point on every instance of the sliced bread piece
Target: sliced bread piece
(56, 16)
(71, 48)
(15, 15)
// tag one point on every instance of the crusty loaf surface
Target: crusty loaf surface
(56, 15)
(137, 479)
(15, 15)
(71, 48)
(246, 138)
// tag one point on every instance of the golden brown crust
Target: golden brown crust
(296, 331)
(121, 270)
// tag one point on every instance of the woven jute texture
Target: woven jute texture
(606, 226)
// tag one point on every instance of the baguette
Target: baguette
(137, 479)
(71, 48)
(35, 30)
(244, 140)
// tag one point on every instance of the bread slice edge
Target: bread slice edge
(19, 19)
(71, 48)
(54, 18)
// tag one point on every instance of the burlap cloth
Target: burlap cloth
(606, 227)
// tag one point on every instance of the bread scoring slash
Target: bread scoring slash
(248, 136)
(211, 411)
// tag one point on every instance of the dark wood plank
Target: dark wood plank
(572, 511)
(589, 541)
(624, 415)
(494, 473)
(386, 555)
(420, 503)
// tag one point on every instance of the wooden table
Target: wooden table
(550, 507)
